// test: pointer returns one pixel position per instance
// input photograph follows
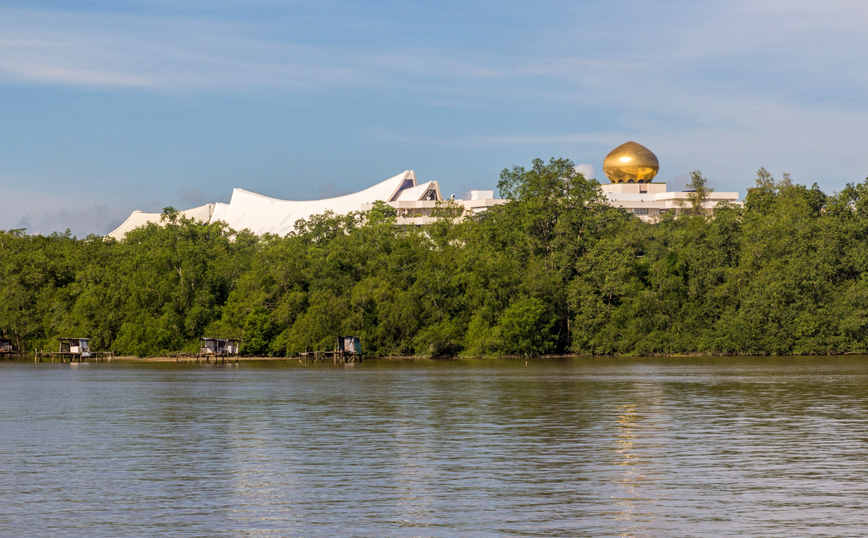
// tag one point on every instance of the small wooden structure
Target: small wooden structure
(350, 344)
(219, 348)
(347, 349)
(5, 347)
(75, 348)
(80, 346)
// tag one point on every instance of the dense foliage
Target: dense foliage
(555, 270)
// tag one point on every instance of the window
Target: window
(640, 210)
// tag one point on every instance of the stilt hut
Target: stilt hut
(220, 347)
(349, 349)
(75, 346)
(349, 344)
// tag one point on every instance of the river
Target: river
(763, 447)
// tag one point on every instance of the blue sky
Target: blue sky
(111, 106)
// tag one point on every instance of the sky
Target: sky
(111, 106)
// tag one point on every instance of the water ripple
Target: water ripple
(771, 447)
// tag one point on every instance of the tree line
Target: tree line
(554, 270)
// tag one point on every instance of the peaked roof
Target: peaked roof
(414, 194)
(264, 215)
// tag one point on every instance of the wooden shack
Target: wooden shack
(348, 349)
(219, 347)
(349, 344)
(75, 346)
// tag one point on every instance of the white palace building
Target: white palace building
(262, 215)
(630, 168)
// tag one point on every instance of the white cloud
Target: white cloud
(587, 170)
(728, 49)
(156, 53)
(722, 86)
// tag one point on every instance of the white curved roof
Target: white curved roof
(138, 219)
(263, 215)
(220, 212)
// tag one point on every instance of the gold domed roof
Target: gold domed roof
(631, 163)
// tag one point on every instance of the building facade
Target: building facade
(414, 203)
(650, 201)
(630, 167)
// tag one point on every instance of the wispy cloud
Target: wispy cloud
(122, 51)
(496, 140)
(716, 47)
(726, 86)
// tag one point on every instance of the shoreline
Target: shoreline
(500, 357)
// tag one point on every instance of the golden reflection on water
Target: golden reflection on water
(632, 500)
(593, 447)
(627, 459)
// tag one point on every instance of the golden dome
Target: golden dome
(631, 163)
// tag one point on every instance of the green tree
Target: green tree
(698, 192)
(526, 328)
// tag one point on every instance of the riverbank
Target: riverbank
(494, 358)
(251, 359)
(190, 359)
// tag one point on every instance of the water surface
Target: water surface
(574, 447)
